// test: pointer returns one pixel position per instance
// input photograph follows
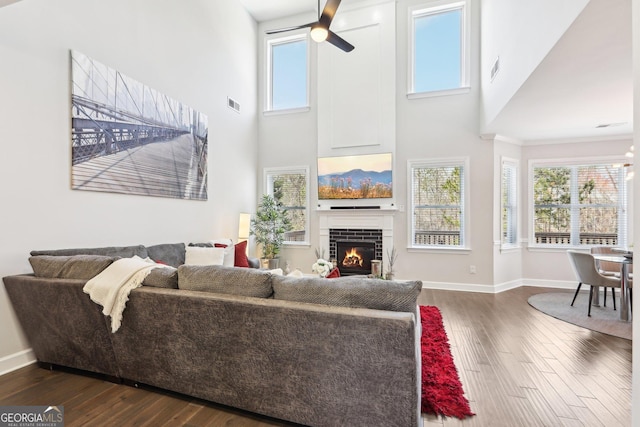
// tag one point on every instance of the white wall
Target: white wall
(521, 33)
(197, 52)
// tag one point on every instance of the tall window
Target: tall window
(439, 48)
(438, 203)
(287, 73)
(579, 204)
(289, 187)
(509, 203)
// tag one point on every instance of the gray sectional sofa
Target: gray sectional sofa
(319, 352)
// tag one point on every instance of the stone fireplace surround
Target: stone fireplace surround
(357, 219)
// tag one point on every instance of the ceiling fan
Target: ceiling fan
(320, 29)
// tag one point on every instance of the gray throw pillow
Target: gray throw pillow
(225, 280)
(69, 267)
(162, 277)
(349, 292)
(168, 253)
(113, 251)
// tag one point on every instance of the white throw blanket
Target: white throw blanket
(111, 287)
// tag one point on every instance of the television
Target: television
(366, 176)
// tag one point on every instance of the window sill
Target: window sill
(557, 248)
(433, 94)
(294, 245)
(453, 250)
(507, 249)
(268, 113)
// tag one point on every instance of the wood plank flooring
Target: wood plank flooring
(518, 367)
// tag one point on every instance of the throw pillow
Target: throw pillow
(229, 253)
(333, 274)
(196, 255)
(82, 267)
(241, 255)
(162, 277)
(349, 292)
(167, 253)
(225, 280)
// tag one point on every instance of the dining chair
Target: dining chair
(607, 268)
(584, 266)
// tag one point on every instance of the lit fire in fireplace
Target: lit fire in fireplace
(352, 259)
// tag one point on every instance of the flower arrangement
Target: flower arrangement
(322, 267)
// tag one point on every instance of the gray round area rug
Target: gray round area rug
(603, 319)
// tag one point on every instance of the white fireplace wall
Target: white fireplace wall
(359, 220)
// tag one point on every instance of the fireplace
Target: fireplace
(354, 257)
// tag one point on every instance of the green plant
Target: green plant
(269, 225)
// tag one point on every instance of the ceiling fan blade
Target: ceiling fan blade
(339, 42)
(284, 30)
(329, 12)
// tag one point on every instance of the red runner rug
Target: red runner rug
(442, 392)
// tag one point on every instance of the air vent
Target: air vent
(495, 68)
(610, 125)
(233, 104)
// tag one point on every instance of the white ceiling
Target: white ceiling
(585, 81)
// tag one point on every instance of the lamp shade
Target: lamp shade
(244, 226)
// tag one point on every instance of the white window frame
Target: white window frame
(623, 219)
(268, 189)
(270, 42)
(432, 8)
(465, 232)
(514, 202)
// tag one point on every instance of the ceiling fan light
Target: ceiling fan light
(319, 34)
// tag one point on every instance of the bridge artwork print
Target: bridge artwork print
(129, 138)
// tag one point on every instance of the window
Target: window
(579, 204)
(509, 203)
(289, 187)
(439, 54)
(287, 73)
(438, 199)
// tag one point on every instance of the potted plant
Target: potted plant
(268, 226)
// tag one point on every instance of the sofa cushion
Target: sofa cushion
(69, 267)
(113, 251)
(168, 253)
(225, 280)
(162, 277)
(349, 292)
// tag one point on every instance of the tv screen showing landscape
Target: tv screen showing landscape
(355, 177)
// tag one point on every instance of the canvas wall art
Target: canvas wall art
(129, 138)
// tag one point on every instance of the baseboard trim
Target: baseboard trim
(16, 361)
(500, 287)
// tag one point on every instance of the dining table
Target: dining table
(625, 259)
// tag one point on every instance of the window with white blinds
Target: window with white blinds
(509, 203)
(579, 205)
(289, 187)
(438, 203)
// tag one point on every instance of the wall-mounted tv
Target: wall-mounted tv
(366, 176)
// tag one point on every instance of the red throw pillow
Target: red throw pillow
(333, 274)
(241, 255)
(219, 245)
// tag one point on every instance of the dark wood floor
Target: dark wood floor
(518, 367)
